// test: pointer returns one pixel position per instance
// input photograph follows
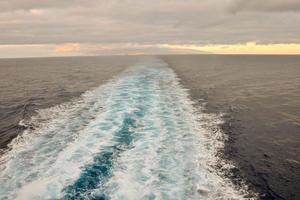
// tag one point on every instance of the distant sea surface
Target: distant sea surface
(29, 84)
(258, 98)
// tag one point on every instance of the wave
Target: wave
(139, 136)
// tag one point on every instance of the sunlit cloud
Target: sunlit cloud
(21, 46)
(26, 50)
(92, 49)
(10, 22)
(36, 11)
(38, 50)
(68, 48)
(247, 48)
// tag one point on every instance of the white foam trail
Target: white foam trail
(169, 158)
(52, 146)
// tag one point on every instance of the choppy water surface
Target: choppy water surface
(135, 137)
(30, 84)
(260, 95)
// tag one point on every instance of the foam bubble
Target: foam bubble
(136, 137)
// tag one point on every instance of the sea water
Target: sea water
(139, 136)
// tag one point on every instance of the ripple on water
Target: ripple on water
(136, 137)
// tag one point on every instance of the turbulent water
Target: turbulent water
(260, 96)
(138, 136)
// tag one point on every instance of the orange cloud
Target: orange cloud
(36, 11)
(68, 48)
(247, 48)
(10, 22)
(77, 49)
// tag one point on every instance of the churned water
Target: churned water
(138, 136)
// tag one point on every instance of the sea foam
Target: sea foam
(139, 136)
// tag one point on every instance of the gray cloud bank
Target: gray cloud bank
(265, 5)
(149, 21)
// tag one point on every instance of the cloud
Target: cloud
(36, 11)
(13, 5)
(246, 48)
(265, 5)
(68, 48)
(40, 50)
(88, 49)
(146, 22)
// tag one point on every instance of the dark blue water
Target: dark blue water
(134, 137)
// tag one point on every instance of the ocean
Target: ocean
(150, 127)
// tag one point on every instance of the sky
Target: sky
(41, 28)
